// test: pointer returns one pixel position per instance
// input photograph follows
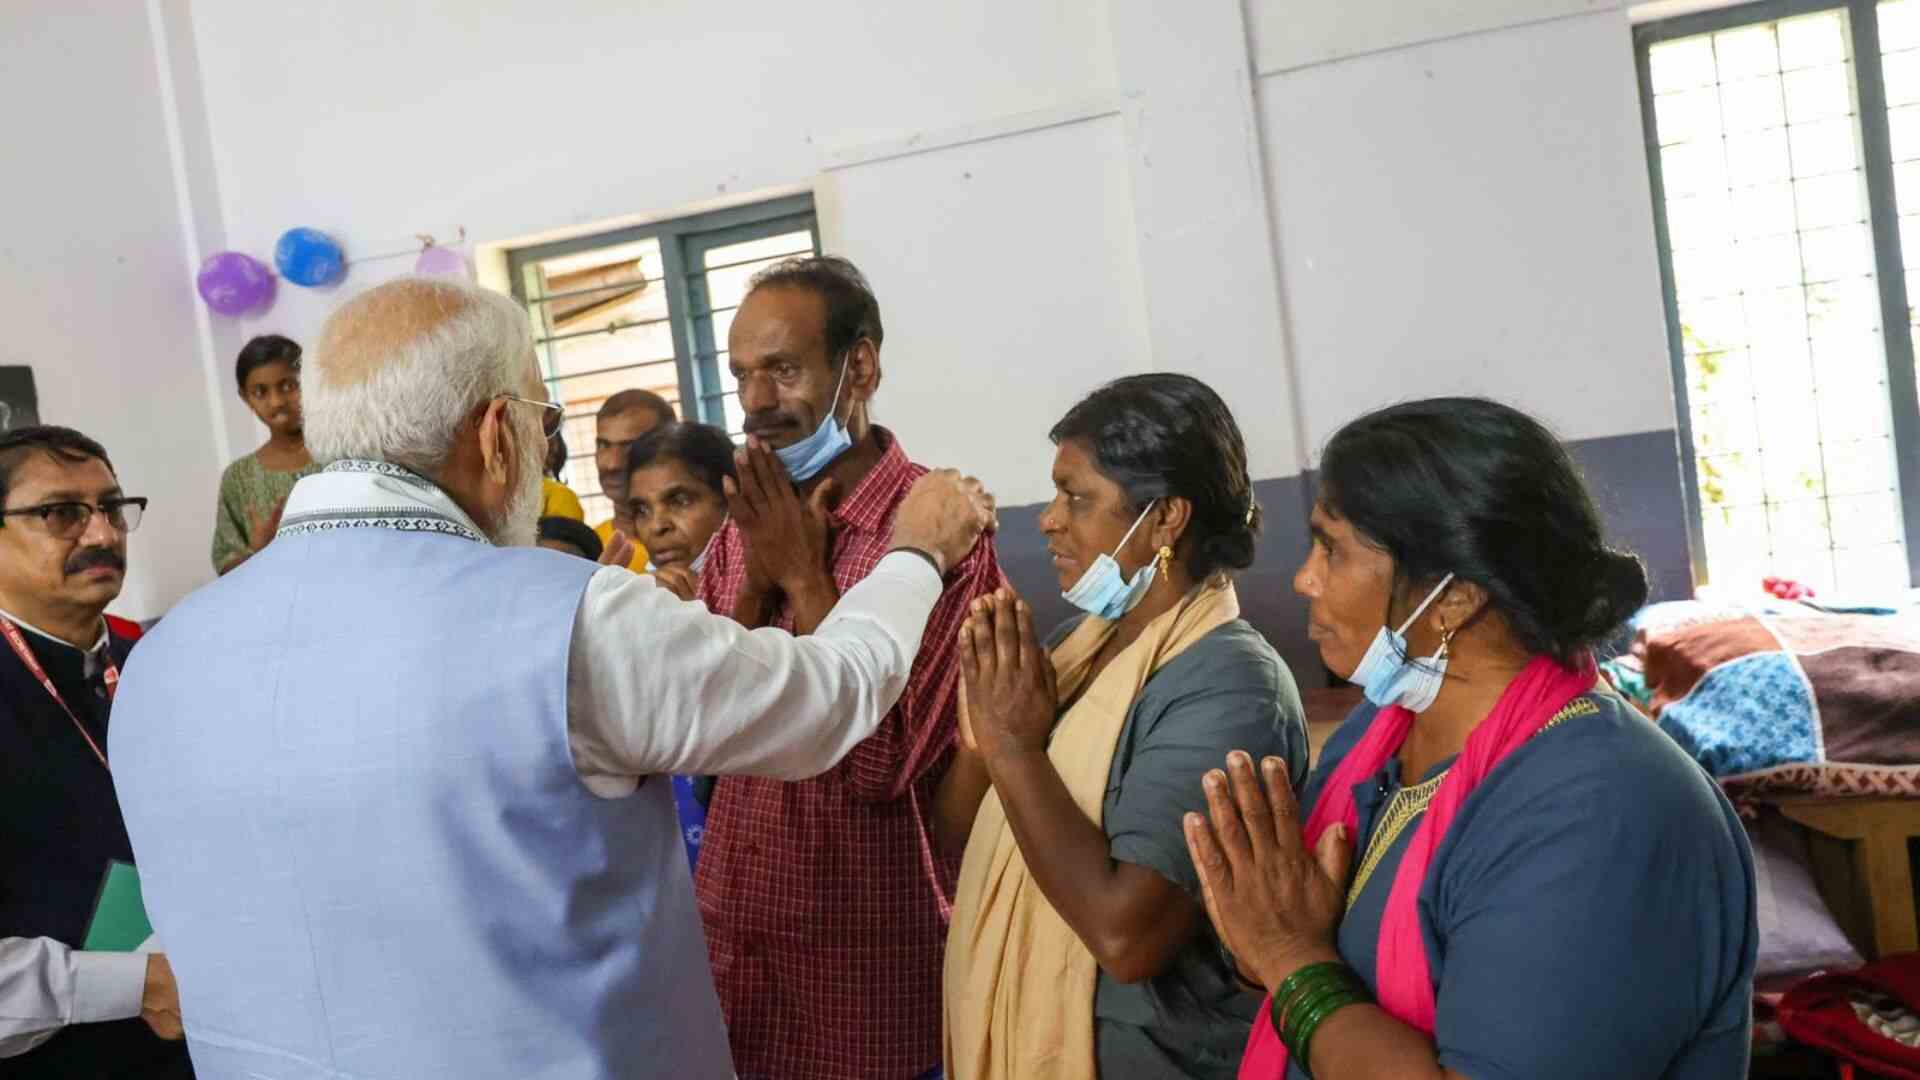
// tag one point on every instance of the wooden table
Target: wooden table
(1859, 849)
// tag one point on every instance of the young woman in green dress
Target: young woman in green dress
(254, 489)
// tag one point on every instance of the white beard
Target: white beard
(519, 524)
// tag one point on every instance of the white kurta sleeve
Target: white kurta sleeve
(44, 986)
(658, 685)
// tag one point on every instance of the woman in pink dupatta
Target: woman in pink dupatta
(1503, 871)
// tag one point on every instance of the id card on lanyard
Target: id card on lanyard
(112, 677)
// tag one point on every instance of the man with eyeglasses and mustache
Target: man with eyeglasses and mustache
(66, 1011)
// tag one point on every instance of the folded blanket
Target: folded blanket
(1813, 703)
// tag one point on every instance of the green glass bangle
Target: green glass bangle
(1288, 1004)
(1312, 973)
(1302, 1017)
(1303, 983)
(1306, 1003)
(1302, 1046)
(1309, 984)
(1311, 1019)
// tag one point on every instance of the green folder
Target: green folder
(119, 916)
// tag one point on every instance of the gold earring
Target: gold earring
(1165, 558)
(1446, 640)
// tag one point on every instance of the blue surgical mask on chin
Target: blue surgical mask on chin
(1102, 592)
(1389, 676)
(805, 459)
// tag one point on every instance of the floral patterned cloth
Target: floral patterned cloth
(1791, 703)
(249, 492)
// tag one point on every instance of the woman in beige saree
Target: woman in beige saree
(1079, 946)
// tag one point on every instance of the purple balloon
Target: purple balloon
(440, 261)
(233, 284)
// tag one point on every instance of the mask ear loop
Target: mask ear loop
(833, 407)
(1133, 529)
(1425, 604)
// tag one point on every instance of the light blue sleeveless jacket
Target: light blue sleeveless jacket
(363, 841)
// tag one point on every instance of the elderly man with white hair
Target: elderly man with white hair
(395, 784)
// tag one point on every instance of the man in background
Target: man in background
(556, 498)
(623, 418)
(826, 900)
(66, 1011)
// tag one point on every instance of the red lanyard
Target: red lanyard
(19, 643)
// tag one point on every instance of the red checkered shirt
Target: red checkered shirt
(825, 903)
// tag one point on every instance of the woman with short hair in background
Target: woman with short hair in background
(676, 496)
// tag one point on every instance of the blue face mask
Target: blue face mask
(805, 459)
(1390, 677)
(1102, 592)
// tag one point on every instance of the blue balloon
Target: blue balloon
(309, 257)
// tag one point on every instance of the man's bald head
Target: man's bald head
(376, 328)
(399, 368)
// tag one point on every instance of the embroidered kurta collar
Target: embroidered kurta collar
(355, 494)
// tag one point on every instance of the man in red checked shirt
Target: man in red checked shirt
(826, 901)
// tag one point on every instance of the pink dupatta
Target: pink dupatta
(1402, 976)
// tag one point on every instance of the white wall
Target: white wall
(1286, 35)
(368, 117)
(1469, 214)
(1473, 217)
(948, 241)
(1317, 208)
(373, 120)
(1212, 291)
(95, 282)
